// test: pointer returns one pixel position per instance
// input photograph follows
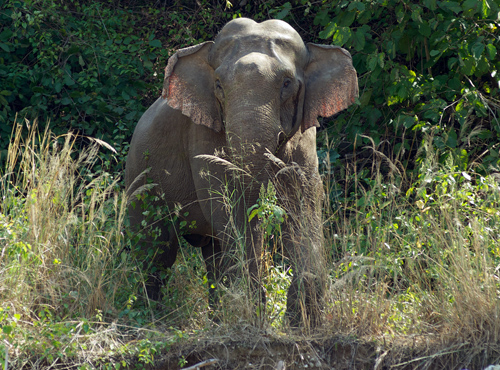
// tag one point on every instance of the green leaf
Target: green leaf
(284, 12)
(328, 31)
(7, 329)
(5, 47)
(68, 80)
(321, 18)
(400, 14)
(451, 5)
(469, 66)
(253, 214)
(416, 13)
(424, 29)
(358, 5)
(347, 19)
(155, 43)
(452, 139)
(380, 60)
(372, 61)
(491, 51)
(407, 121)
(341, 36)
(431, 4)
(477, 50)
(470, 4)
(359, 37)
(6, 34)
(485, 9)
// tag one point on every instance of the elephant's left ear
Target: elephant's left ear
(188, 85)
(331, 83)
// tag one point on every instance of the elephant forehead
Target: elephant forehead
(274, 38)
(253, 64)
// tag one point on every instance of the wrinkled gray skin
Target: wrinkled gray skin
(257, 89)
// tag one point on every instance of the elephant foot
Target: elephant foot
(305, 301)
(153, 286)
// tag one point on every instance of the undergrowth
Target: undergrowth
(69, 290)
(407, 260)
(417, 258)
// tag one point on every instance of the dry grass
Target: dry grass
(419, 261)
(413, 270)
(62, 228)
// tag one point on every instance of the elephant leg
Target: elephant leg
(164, 249)
(158, 248)
(304, 300)
(211, 251)
(302, 197)
(214, 263)
(254, 264)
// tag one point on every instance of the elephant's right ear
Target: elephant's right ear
(188, 85)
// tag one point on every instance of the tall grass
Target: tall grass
(417, 258)
(408, 259)
(61, 229)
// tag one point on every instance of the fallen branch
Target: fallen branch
(202, 364)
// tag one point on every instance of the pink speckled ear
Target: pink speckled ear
(331, 83)
(189, 85)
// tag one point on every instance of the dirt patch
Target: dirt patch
(339, 353)
(269, 353)
(289, 352)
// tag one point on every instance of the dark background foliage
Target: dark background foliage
(426, 68)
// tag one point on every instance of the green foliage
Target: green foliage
(67, 280)
(269, 213)
(426, 67)
(276, 282)
(418, 248)
(87, 67)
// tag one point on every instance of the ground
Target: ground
(248, 348)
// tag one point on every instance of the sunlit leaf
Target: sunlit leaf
(491, 51)
(328, 32)
(477, 50)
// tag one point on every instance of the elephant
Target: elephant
(237, 113)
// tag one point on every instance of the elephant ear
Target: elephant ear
(188, 85)
(331, 83)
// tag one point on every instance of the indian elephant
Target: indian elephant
(236, 113)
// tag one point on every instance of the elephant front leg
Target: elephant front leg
(302, 196)
(305, 297)
(242, 250)
(254, 247)
(213, 262)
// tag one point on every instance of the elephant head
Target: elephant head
(259, 83)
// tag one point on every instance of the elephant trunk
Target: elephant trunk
(250, 133)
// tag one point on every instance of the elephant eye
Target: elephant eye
(286, 90)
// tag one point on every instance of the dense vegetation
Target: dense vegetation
(412, 221)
